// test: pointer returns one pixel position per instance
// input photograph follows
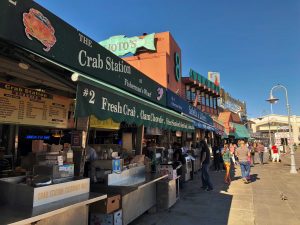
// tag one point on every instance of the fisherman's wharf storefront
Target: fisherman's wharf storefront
(106, 87)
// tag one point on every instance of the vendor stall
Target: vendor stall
(41, 52)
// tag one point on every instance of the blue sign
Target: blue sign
(37, 137)
(116, 167)
(180, 105)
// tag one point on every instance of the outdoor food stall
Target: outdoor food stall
(45, 65)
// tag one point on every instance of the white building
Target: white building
(276, 127)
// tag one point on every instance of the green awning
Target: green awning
(240, 131)
(105, 101)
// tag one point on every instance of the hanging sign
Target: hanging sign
(20, 105)
(180, 105)
(104, 104)
(34, 28)
(121, 45)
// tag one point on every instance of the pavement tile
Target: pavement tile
(241, 204)
(238, 216)
(257, 203)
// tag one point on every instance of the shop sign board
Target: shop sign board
(228, 102)
(104, 104)
(214, 77)
(20, 105)
(180, 105)
(30, 26)
(103, 124)
(204, 81)
(51, 193)
(121, 45)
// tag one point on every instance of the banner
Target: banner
(30, 26)
(180, 105)
(104, 104)
(20, 105)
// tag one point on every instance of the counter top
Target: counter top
(123, 190)
(25, 215)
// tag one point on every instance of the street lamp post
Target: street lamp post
(272, 100)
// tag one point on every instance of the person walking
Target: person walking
(217, 156)
(226, 155)
(260, 149)
(252, 154)
(275, 155)
(243, 154)
(204, 163)
(232, 151)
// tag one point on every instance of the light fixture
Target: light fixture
(75, 77)
(272, 99)
(23, 65)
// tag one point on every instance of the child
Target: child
(275, 153)
(226, 154)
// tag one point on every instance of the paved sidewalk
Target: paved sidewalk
(256, 203)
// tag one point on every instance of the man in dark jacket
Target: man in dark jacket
(204, 162)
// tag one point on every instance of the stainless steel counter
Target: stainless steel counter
(137, 198)
(16, 215)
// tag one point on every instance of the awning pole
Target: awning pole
(83, 154)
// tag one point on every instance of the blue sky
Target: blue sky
(253, 44)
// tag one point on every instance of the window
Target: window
(188, 95)
(203, 99)
(193, 96)
(207, 100)
(211, 103)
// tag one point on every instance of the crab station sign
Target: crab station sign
(97, 62)
(31, 27)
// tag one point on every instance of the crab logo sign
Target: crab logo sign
(39, 27)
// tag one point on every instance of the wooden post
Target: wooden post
(139, 140)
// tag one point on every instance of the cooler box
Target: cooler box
(109, 205)
(101, 219)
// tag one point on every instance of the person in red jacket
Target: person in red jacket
(275, 153)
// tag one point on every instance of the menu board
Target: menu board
(20, 105)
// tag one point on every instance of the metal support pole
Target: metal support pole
(270, 138)
(293, 163)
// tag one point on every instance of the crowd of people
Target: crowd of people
(231, 155)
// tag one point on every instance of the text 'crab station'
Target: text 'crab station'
(98, 63)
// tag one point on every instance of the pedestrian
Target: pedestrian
(226, 155)
(275, 155)
(243, 154)
(252, 153)
(232, 151)
(217, 156)
(204, 163)
(260, 149)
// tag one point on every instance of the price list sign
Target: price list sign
(20, 105)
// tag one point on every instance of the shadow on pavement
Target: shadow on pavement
(254, 177)
(196, 206)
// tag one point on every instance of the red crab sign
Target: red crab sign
(39, 27)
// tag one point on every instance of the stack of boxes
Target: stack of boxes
(107, 212)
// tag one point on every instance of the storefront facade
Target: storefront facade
(107, 87)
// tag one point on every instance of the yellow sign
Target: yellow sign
(104, 124)
(20, 105)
